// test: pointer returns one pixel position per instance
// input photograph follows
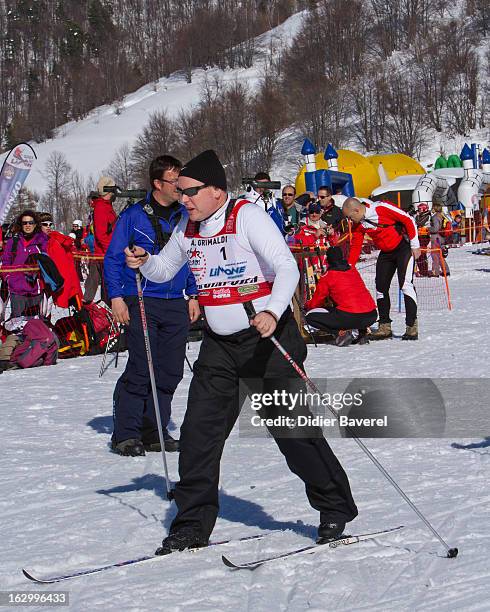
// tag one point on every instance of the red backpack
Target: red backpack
(39, 346)
(99, 324)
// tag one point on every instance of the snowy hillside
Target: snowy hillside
(90, 144)
(68, 503)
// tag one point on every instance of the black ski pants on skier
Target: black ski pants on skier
(401, 261)
(213, 407)
(333, 319)
(134, 411)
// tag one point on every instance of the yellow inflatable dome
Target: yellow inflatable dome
(364, 170)
(395, 164)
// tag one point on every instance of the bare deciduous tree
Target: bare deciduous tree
(406, 123)
(159, 137)
(121, 167)
(56, 200)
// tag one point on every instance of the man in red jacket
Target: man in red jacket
(104, 220)
(394, 233)
(354, 307)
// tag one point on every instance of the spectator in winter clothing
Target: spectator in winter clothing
(148, 224)
(60, 250)
(77, 233)
(457, 227)
(394, 233)
(104, 220)
(266, 199)
(25, 288)
(331, 214)
(291, 210)
(315, 233)
(440, 227)
(354, 307)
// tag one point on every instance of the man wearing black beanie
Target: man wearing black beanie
(238, 255)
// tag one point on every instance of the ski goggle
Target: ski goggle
(190, 192)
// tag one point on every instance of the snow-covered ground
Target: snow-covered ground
(68, 503)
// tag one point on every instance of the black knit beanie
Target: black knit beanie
(206, 168)
(335, 259)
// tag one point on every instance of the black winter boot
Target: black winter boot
(185, 537)
(328, 531)
(129, 448)
(171, 445)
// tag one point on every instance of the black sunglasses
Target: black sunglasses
(28, 223)
(191, 191)
(288, 194)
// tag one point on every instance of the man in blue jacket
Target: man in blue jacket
(148, 224)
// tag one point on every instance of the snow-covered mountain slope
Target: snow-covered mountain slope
(68, 503)
(90, 144)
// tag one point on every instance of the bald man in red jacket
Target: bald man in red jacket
(394, 233)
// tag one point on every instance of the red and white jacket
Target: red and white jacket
(379, 224)
(306, 237)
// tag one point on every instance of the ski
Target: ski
(96, 570)
(312, 548)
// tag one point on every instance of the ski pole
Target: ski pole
(189, 364)
(450, 552)
(156, 404)
(102, 367)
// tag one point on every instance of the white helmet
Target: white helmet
(77, 222)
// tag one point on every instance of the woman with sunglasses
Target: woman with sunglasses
(25, 288)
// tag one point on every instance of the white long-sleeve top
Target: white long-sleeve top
(256, 232)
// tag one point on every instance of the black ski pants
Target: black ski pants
(333, 319)
(401, 261)
(213, 407)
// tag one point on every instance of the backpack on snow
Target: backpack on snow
(39, 346)
(101, 328)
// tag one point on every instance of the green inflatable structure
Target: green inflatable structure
(453, 161)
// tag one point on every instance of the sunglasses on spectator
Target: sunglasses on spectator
(322, 197)
(47, 223)
(28, 223)
(289, 195)
(172, 182)
(190, 192)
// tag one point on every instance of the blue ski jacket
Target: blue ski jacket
(134, 226)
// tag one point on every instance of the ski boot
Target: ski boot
(329, 531)
(171, 445)
(129, 448)
(185, 537)
(412, 332)
(382, 333)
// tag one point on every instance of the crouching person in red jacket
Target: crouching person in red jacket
(354, 307)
